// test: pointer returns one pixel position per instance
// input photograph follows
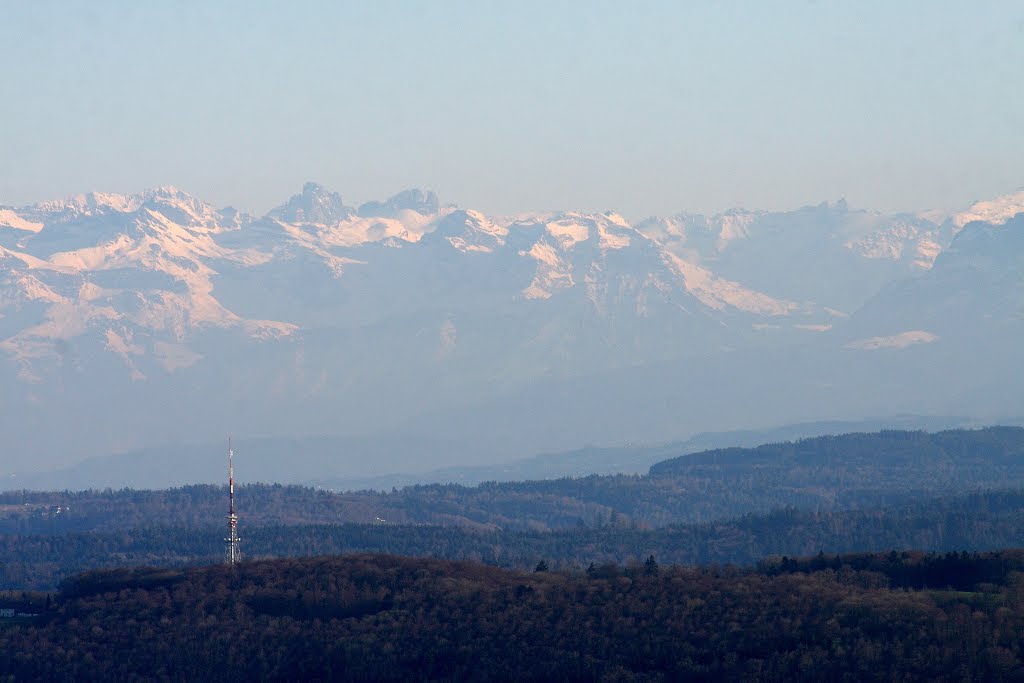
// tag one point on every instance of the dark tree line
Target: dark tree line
(374, 617)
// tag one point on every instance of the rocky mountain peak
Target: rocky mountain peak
(409, 200)
(315, 204)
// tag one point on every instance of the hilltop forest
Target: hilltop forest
(896, 616)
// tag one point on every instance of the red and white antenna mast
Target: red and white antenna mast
(232, 554)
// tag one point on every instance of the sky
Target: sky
(638, 107)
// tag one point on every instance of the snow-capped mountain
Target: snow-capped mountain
(974, 291)
(129, 270)
(993, 211)
(828, 254)
(126, 316)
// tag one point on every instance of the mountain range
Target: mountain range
(142, 320)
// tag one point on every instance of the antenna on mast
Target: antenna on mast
(232, 554)
(231, 478)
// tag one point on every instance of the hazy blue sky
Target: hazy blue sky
(504, 106)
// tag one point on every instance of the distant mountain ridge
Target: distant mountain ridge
(409, 315)
(325, 462)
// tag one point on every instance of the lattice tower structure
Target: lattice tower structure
(232, 552)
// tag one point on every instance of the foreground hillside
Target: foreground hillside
(372, 617)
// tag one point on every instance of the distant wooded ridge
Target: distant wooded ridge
(953, 490)
(981, 521)
(822, 473)
(320, 461)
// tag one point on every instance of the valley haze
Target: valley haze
(419, 335)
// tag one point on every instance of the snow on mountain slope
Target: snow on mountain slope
(894, 341)
(828, 254)
(177, 205)
(900, 241)
(974, 291)
(14, 259)
(119, 266)
(553, 273)
(320, 317)
(153, 262)
(9, 219)
(869, 234)
(995, 211)
(568, 248)
(147, 278)
(718, 293)
(571, 248)
(18, 286)
(318, 222)
(470, 231)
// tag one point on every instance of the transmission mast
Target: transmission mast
(232, 554)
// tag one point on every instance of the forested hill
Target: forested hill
(934, 456)
(859, 492)
(980, 521)
(828, 473)
(898, 616)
